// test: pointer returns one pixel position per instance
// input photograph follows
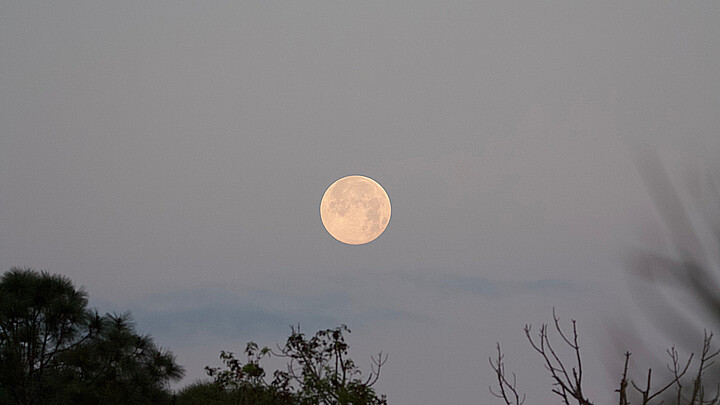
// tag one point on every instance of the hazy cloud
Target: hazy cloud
(180, 317)
(487, 287)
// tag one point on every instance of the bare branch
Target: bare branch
(567, 387)
(508, 391)
(624, 382)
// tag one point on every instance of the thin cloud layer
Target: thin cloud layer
(186, 316)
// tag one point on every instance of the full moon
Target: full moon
(355, 210)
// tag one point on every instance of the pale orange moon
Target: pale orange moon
(355, 210)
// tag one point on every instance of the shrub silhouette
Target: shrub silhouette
(319, 371)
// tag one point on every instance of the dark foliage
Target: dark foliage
(117, 366)
(207, 393)
(41, 316)
(319, 371)
(54, 350)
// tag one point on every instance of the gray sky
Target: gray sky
(171, 156)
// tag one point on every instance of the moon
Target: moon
(355, 210)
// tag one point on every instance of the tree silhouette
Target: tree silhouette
(55, 350)
(117, 366)
(41, 316)
(319, 371)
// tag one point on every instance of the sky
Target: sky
(170, 158)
